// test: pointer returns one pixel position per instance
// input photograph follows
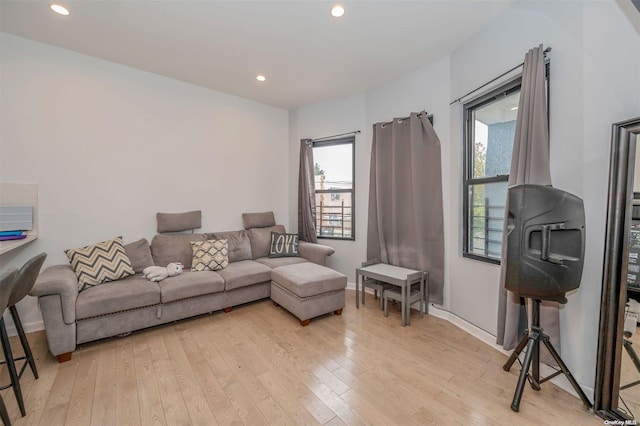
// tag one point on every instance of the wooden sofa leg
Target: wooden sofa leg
(305, 323)
(227, 310)
(64, 357)
(275, 303)
(338, 311)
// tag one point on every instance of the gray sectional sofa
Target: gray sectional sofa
(132, 303)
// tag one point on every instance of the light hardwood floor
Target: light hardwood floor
(630, 397)
(257, 365)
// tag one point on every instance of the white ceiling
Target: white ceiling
(306, 55)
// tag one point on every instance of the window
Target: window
(489, 130)
(334, 179)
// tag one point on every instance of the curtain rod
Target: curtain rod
(547, 50)
(401, 119)
(355, 132)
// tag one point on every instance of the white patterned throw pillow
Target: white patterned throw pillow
(210, 255)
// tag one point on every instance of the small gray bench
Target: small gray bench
(308, 290)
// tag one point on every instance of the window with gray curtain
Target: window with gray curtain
(489, 128)
(334, 173)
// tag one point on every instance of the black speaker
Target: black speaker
(546, 238)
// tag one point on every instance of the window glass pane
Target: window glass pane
(494, 126)
(334, 214)
(486, 218)
(333, 166)
(333, 170)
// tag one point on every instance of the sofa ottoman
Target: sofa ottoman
(308, 290)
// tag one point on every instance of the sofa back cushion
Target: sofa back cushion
(260, 239)
(239, 244)
(167, 248)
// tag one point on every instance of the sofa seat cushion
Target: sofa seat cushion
(190, 284)
(128, 293)
(308, 279)
(276, 262)
(244, 273)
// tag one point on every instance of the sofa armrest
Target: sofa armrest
(316, 253)
(62, 281)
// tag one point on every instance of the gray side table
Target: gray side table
(398, 276)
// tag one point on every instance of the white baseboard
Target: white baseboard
(29, 327)
(490, 340)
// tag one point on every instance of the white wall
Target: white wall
(326, 119)
(425, 88)
(595, 81)
(109, 146)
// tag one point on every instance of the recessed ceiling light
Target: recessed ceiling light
(261, 78)
(59, 9)
(337, 11)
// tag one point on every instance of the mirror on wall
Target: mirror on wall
(617, 386)
(629, 388)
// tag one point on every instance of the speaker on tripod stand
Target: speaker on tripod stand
(545, 257)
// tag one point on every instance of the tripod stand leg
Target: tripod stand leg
(566, 372)
(535, 367)
(632, 353)
(517, 396)
(516, 352)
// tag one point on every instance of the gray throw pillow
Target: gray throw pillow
(284, 245)
(139, 253)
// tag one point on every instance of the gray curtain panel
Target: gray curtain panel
(405, 225)
(529, 164)
(306, 194)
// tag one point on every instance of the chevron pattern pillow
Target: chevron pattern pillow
(98, 263)
(210, 255)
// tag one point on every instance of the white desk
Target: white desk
(395, 275)
(20, 194)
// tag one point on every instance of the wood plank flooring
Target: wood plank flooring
(257, 365)
(630, 397)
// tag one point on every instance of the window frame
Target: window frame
(509, 87)
(333, 142)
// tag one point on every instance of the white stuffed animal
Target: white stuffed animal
(158, 273)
